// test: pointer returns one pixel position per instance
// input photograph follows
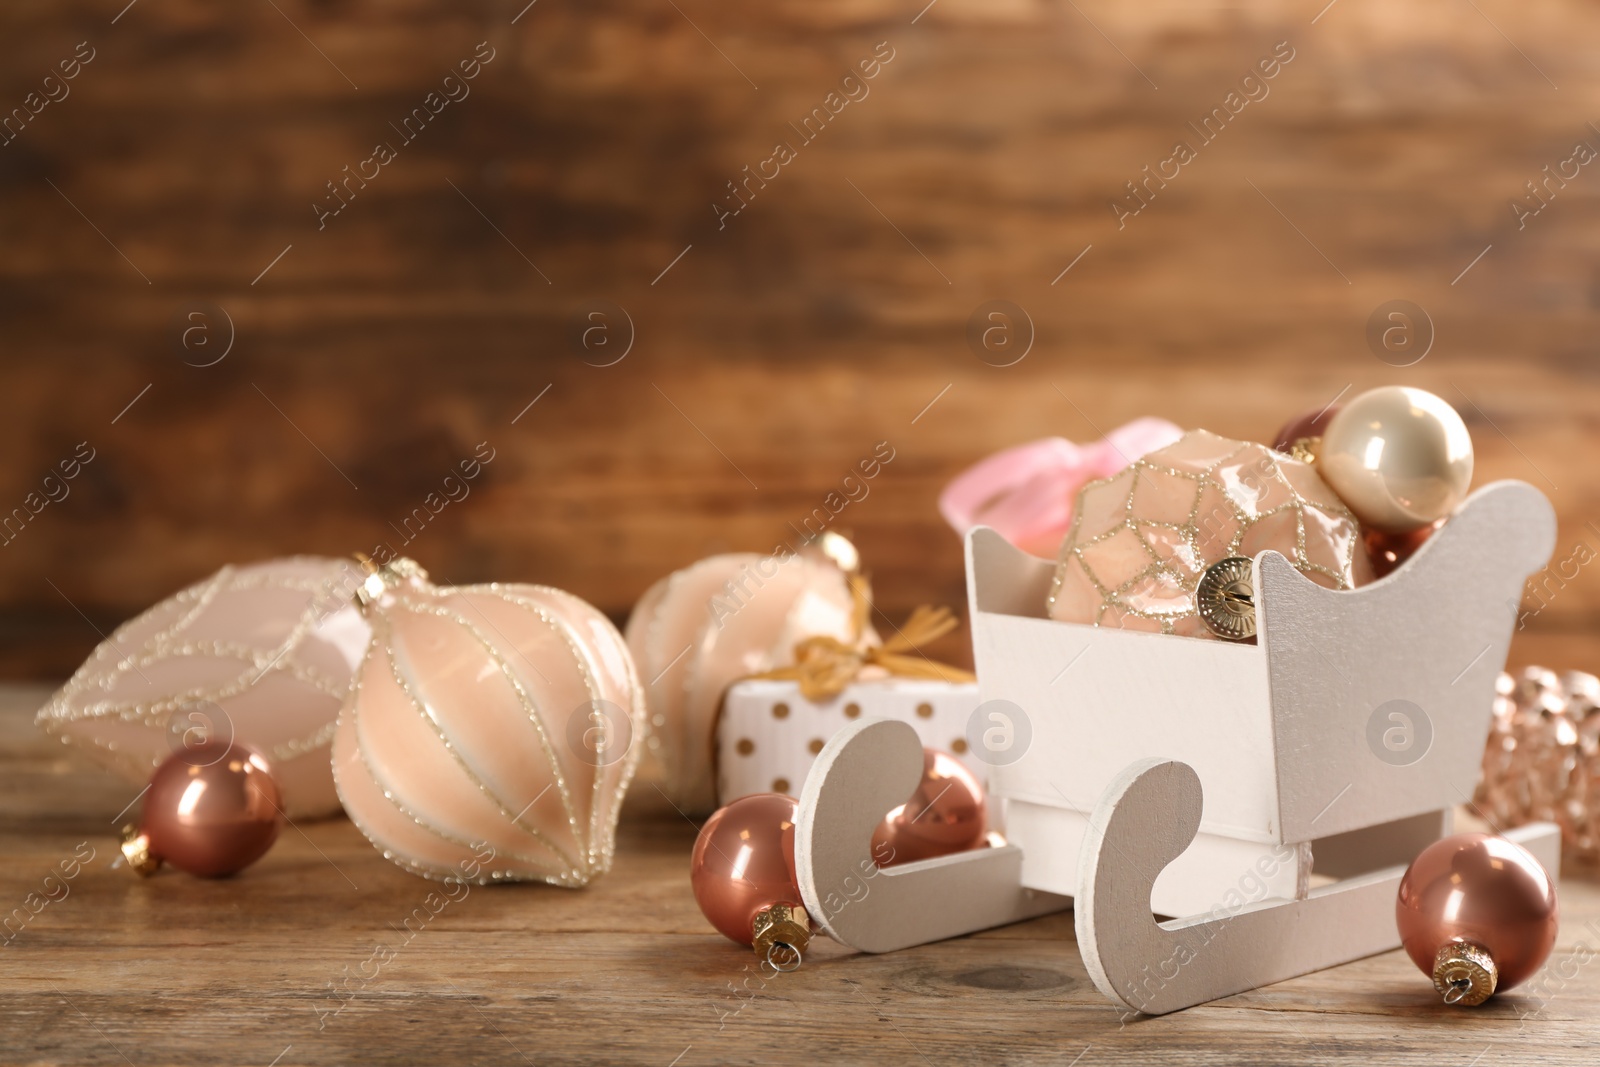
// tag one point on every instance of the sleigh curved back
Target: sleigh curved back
(1281, 733)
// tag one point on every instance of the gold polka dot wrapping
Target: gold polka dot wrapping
(1141, 540)
(1542, 760)
(770, 733)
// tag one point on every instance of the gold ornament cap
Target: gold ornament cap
(841, 550)
(1226, 599)
(1464, 973)
(385, 576)
(1306, 449)
(781, 927)
(136, 850)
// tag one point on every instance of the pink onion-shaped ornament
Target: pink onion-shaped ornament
(702, 628)
(492, 732)
(261, 655)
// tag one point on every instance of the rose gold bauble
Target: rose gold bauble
(1305, 430)
(1477, 913)
(743, 863)
(212, 810)
(1390, 550)
(946, 814)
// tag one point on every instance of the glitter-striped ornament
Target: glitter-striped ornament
(492, 731)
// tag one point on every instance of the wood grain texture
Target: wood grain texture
(178, 970)
(826, 316)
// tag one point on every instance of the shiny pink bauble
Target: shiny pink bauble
(743, 862)
(1483, 889)
(212, 809)
(946, 814)
(1308, 423)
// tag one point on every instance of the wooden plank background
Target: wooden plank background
(372, 355)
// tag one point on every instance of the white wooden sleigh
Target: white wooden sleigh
(1265, 794)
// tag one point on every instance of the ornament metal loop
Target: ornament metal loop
(790, 956)
(1464, 973)
(1226, 599)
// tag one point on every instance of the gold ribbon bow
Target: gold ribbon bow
(825, 665)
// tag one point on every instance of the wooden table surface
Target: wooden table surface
(308, 958)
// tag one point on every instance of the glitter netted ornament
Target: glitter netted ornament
(260, 654)
(492, 731)
(1142, 541)
(1542, 761)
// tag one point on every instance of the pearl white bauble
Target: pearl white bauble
(1400, 458)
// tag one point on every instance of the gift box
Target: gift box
(770, 733)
